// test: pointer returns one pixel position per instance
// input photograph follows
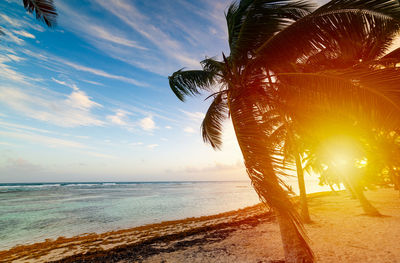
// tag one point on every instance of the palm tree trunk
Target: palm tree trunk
(348, 187)
(302, 187)
(293, 246)
(333, 189)
(260, 168)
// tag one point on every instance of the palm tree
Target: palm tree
(284, 57)
(44, 10)
(250, 23)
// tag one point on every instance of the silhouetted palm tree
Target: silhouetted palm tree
(284, 58)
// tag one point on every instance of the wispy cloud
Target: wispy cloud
(12, 21)
(152, 146)
(8, 73)
(72, 111)
(42, 139)
(101, 155)
(101, 73)
(189, 130)
(140, 23)
(136, 144)
(23, 33)
(194, 116)
(95, 29)
(119, 118)
(15, 58)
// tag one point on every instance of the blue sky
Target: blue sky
(89, 100)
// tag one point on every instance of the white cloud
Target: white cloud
(95, 30)
(136, 144)
(93, 82)
(42, 140)
(147, 124)
(13, 22)
(80, 100)
(64, 83)
(20, 126)
(101, 155)
(142, 24)
(195, 116)
(23, 33)
(15, 58)
(119, 117)
(189, 130)
(152, 146)
(168, 127)
(71, 111)
(102, 73)
(8, 73)
(9, 36)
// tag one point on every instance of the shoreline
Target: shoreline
(340, 232)
(76, 246)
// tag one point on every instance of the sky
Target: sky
(89, 100)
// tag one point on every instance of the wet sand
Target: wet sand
(340, 232)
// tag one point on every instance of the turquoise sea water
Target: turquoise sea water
(33, 212)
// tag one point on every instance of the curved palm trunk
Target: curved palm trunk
(260, 168)
(302, 187)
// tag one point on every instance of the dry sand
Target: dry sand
(340, 233)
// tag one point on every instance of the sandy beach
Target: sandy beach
(339, 233)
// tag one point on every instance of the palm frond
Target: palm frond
(44, 10)
(370, 95)
(212, 65)
(211, 127)
(345, 36)
(260, 20)
(395, 54)
(190, 82)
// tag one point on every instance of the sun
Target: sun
(343, 152)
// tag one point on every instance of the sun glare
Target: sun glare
(343, 153)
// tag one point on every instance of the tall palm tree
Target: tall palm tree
(44, 10)
(284, 57)
(250, 23)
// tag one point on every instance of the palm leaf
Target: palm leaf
(347, 32)
(395, 54)
(45, 10)
(190, 82)
(366, 95)
(212, 124)
(212, 65)
(260, 20)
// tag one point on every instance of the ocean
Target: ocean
(34, 212)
